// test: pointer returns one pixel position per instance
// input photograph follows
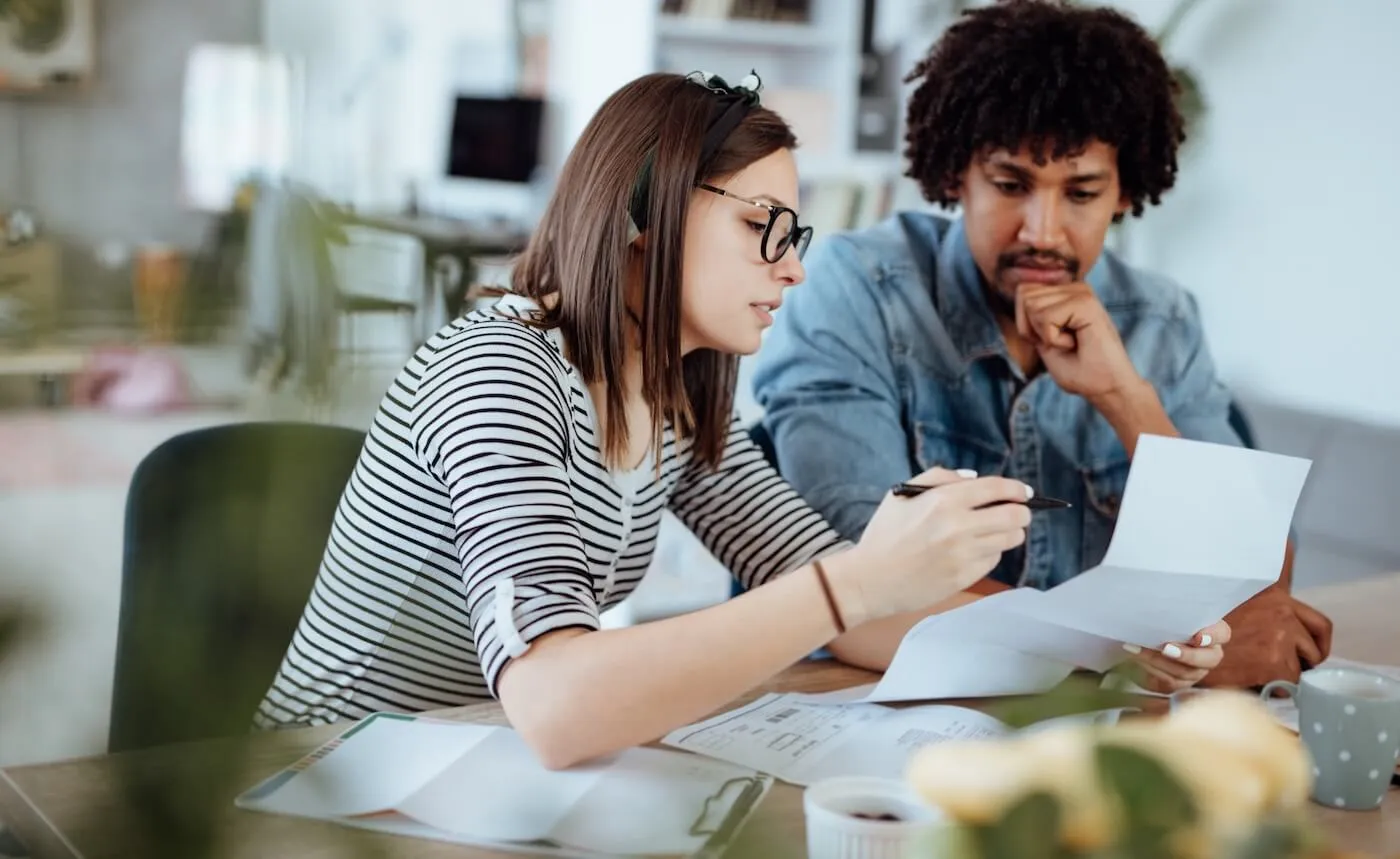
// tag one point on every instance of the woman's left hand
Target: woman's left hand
(1182, 665)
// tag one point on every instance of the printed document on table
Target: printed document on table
(802, 742)
(1202, 527)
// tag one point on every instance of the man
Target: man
(1011, 342)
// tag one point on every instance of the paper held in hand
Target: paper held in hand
(1201, 529)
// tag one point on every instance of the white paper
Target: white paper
(647, 800)
(478, 784)
(498, 791)
(974, 652)
(375, 768)
(775, 734)
(1202, 528)
(801, 742)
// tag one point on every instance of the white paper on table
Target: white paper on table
(774, 734)
(524, 807)
(480, 784)
(647, 802)
(883, 747)
(1285, 710)
(1202, 528)
(801, 742)
(369, 777)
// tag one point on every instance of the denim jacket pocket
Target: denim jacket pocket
(1103, 495)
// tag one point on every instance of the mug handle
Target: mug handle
(1287, 686)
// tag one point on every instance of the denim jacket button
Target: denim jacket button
(1023, 407)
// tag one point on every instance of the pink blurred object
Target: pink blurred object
(132, 380)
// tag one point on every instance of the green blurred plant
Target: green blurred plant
(36, 25)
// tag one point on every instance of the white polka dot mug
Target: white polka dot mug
(1349, 719)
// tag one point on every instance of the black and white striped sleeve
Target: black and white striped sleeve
(748, 516)
(491, 422)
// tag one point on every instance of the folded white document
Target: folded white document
(1201, 529)
(481, 785)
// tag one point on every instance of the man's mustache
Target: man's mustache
(1021, 259)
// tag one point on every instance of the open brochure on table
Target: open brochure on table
(481, 785)
(802, 742)
(1201, 528)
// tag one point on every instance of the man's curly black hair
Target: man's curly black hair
(1044, 73)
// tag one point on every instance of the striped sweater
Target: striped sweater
(481, 516)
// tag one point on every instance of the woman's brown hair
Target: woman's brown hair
(581, 250)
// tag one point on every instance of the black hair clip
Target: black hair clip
(732, 104)
(746, 89)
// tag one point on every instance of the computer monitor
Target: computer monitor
(497, 139)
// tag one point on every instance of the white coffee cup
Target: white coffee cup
(867, 818)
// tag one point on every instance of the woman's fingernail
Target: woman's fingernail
(1205, 640)
(1030, 493)
(1132, 648)
(965, 472)
(1171, 651)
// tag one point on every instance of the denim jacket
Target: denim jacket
(888, 361)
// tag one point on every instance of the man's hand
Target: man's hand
(1076, 339)
(1276, 638)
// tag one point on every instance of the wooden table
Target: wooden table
(77, 808)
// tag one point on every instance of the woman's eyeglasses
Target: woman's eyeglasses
(782, 231)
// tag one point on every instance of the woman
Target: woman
(512, 485)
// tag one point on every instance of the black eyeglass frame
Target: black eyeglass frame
(799, 237)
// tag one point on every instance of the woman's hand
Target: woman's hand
(919, 551)
(1180, 666)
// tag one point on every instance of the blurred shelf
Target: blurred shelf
(861, 165)
(729, 31)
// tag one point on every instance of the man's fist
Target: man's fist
(1276, 638)
(1076, 339)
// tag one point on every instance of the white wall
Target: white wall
(380, 78)
(1284, 213)
(590, 56)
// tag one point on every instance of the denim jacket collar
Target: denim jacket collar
(957, 292)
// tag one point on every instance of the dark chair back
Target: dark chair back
(760, 436)
(1240, 424)
(225, 529)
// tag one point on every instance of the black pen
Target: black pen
(1037, 502)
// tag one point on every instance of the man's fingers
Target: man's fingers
(1318, 625)
(1308, 649)
(1053, 316)
(1023, 325)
